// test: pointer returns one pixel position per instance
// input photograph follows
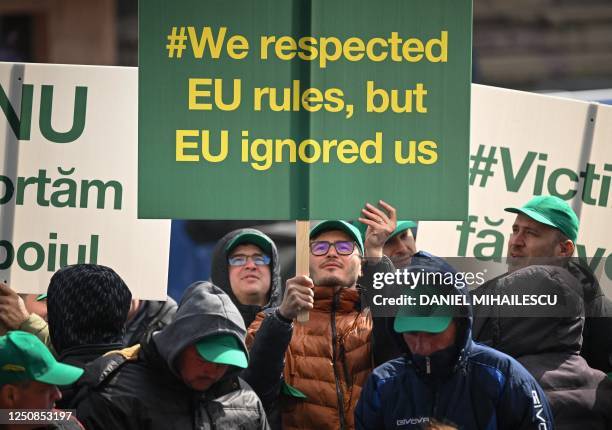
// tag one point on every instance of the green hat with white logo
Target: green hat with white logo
(23, 357)
(223, 349)
(551, 211)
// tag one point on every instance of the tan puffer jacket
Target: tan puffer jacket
(329, 360)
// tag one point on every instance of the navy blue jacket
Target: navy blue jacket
(469, 385)
(488, 390)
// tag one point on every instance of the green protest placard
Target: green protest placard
(281, 109)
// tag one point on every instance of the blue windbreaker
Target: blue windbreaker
(472, 387)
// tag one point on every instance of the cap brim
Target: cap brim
(220, 353)
(435, 324)
(402, 226)
(250, 238)
(533, 215)
(60, 374)
(41, 297)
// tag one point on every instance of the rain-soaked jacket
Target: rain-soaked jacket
(141, 388)
(470, 385)
(219, 276)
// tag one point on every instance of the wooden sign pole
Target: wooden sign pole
(302, 254)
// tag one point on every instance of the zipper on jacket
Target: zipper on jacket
(428, 365)
(338, 388)
(347, 377)
(434, 409)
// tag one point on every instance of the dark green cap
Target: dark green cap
(253, 237)
(223, 349)
(23, 357)
(551, 211)
(344, 226)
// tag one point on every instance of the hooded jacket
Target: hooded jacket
(220, 276)
(597, 334)
(467, 384)
(549, 347)
(142, 388)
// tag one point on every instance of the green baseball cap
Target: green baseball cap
(223, 349)
(426, 318)
(551, 211)
(344, 226)
(400, 227)
(253, 237)
(23, 357)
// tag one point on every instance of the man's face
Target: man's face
(197, 373)
(250, 283)
(421, 343)
(333, 269)
(400, 248)
(533, 240)
(32, 395)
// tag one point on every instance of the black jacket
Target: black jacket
(597, 334)
(219, 276)
(81, 356)
(549, 347)
(146, 392)
(152, 316)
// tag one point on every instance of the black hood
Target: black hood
(220, 275)
(204, 310)
(530, 330)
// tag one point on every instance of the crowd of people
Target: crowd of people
(230, 355)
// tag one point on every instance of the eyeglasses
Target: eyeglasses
(321, 247)
(241, 260)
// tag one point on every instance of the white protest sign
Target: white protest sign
(525, 144)
(68, 178)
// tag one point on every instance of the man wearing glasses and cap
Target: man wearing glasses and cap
(184, 377)
(328, 359)
(445, 376)
(29, 376)
(246, 266)
(544, 233)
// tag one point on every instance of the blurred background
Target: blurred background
(560, 46)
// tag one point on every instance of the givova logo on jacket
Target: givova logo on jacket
(409, 421)
(539, 408)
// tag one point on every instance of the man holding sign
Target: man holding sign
(314, 394)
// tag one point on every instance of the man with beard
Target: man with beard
(544, 233)
(328, 359)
